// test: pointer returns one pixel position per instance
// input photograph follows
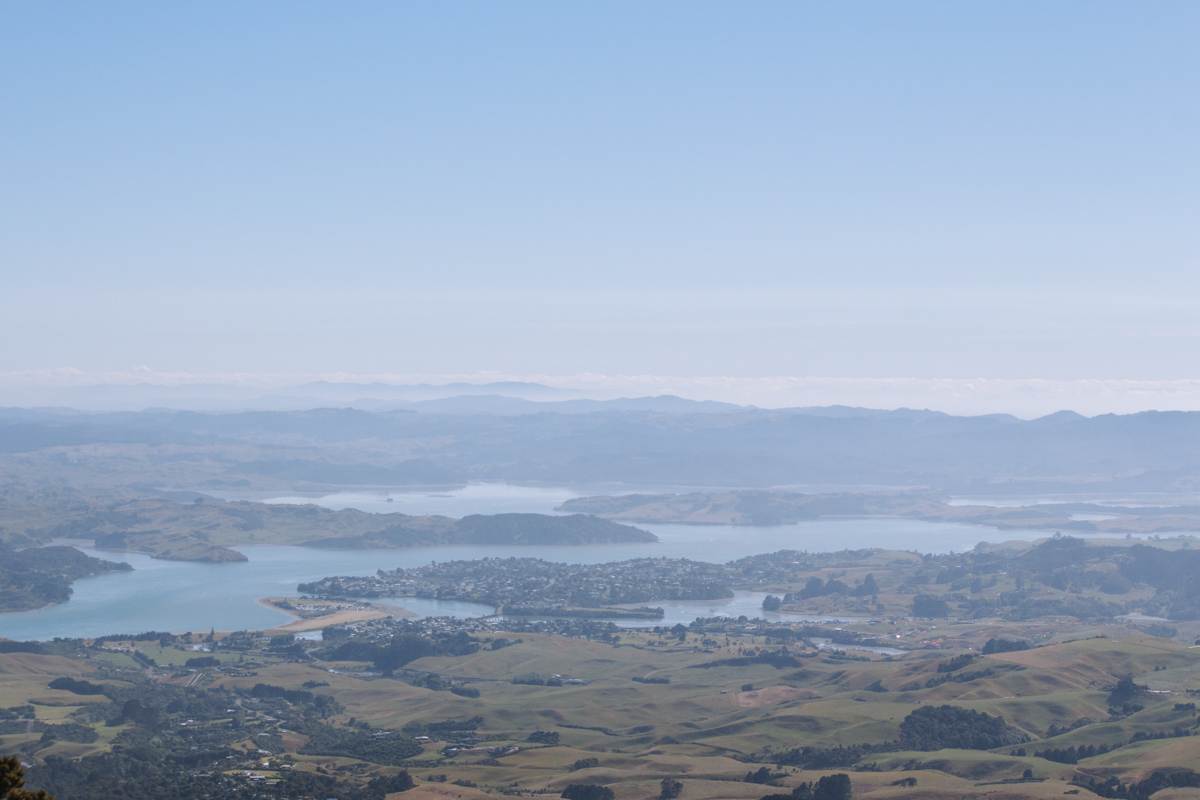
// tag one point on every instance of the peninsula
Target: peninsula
(209, 529)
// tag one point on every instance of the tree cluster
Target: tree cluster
(939, 727)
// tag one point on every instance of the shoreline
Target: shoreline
(337, 615)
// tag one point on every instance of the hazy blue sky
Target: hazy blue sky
(839, 189)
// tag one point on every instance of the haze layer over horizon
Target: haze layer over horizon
(960, 207)
(1028, 398)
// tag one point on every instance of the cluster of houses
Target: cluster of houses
(502, 582)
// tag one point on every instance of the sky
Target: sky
(920, 194)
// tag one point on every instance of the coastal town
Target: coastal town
(517, 585)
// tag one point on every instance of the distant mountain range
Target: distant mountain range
(643, 442)
(498, 404)
(379, 396)
(233, 397)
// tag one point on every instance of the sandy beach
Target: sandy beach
(337, 615)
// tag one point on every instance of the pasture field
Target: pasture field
(704, 710)
(712, 723)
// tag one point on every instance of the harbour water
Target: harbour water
(183, 596)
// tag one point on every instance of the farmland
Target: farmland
(623, 708)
